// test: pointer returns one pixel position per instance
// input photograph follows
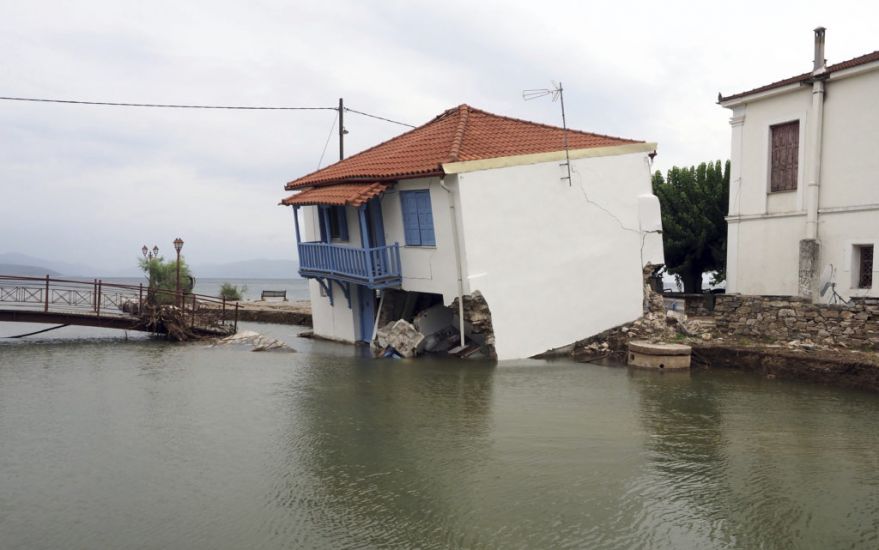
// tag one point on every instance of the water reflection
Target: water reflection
(386, 447)
(732, 463)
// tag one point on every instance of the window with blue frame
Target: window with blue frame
(417, 218)
(335, 219)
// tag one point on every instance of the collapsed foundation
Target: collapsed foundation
(416, 323)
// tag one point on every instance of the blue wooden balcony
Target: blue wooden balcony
(377, 267)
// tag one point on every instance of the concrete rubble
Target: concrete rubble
(413, 325)
(258, 341)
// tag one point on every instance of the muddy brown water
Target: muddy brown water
(137, 443)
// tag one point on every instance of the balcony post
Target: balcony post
(364, 240)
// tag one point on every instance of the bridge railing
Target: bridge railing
(109, 299)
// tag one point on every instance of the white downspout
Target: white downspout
(457, 256)
(814, 184)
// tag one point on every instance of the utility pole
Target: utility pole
(341, 129)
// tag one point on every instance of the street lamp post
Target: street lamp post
(178, 246)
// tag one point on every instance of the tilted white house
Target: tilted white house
(804, 183)
(473, 201)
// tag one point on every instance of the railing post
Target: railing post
(223, 314)
(236, 316)
(98, 307)
(192, 319)
(140, 300)
(46, 298)
(95, 296)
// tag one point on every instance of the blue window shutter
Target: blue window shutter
(425, 219)
(410, 218)
(321, 213)
(343, 222)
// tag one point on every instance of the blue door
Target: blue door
(366, 311)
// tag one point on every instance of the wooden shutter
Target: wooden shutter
(410, 218)
(425, 218)
(784, 157)
(342, 217)
(321, 219)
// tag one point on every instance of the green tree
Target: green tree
(694, 203)
(232, 292)
(162, 277)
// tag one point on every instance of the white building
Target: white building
(473, 201)
(804, 185)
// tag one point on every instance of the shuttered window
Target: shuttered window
(337, 219)
(784, 156)
(865, 265)
(417, 218)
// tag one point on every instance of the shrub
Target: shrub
(232, 292)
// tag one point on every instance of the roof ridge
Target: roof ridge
(355, 155)
(550, 126)
(464, 115)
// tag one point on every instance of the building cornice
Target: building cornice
(538, 158)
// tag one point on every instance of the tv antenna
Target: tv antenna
(826, 283)
(558, 93)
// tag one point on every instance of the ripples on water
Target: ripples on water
(108, 443)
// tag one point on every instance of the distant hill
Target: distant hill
(45, 266)
(249, 269)
(26, 270)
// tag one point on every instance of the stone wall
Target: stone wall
(787, 318)
(695, 305)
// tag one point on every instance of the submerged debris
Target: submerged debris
(257, 340)
(401, 336)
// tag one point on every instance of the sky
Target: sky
(92, 184)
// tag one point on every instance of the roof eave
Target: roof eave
(538, 158)
(293, 185)
(738, 99)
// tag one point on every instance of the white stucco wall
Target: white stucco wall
(555, 262)
(425, 268)
(765, 228)
(334, 321)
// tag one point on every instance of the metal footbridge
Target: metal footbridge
(97, 303)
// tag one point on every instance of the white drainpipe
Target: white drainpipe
(814, 175)
(457, 256)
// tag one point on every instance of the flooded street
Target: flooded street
(138, 443)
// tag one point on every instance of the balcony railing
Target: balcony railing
(377, 267)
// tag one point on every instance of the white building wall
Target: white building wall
(425, 268)
(765, 228)
(334, 321)
(555, 262)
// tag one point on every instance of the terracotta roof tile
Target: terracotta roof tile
(348, 194)
(805, 77)
(459, 134)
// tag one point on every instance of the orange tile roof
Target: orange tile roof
(350, 194)
(806, 77)
(459, 134)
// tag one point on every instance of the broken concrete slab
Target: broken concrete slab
(258, 341)
(402, 336)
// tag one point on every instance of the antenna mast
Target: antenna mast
(558, 93)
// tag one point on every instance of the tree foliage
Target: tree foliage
(232, 292)
(694, 203)
(162, 276)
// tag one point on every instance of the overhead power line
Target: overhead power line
(185, 106)
(379, 117)
(168, 105)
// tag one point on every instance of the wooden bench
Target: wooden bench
(273, 294)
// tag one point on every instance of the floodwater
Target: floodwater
(137, 443)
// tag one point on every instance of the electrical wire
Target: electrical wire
(185, 106)
(329, 136)
(172, 106)
(379, 117)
